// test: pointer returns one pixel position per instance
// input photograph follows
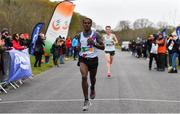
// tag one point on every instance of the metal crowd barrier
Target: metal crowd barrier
(5, 65)
(4, 72)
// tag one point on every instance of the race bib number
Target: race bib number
(87, 49)
(110, 44)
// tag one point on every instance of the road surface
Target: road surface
(132, 89)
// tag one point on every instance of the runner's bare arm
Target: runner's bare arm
(115, 39)
(99, 44)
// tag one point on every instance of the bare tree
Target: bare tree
(99, 27)
(142, 23)
(162, 24)
(123, 25)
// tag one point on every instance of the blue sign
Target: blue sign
(164, 32)
(178, 32)
(20, 65)
(34, 36)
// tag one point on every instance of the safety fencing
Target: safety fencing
(15, 67)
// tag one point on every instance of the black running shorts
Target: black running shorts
(92, 63)
(112, 53)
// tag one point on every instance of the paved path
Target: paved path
(133, 88)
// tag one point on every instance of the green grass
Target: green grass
(44, 67)
(178, 65)
(118, 46)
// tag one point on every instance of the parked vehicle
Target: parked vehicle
(125, 45)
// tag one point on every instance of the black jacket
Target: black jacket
(39, 47)
(176, 47)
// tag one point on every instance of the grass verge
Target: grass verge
(44, 66)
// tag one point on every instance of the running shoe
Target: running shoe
(109, 75)
(92, 94)
(86, 106)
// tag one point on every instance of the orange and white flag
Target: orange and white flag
(59, 24)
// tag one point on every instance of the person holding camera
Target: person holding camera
(16, 42)
(2, 50)
(161, 53)
(39, 49)
(7, 38)
(174, 47)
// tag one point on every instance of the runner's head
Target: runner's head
(108, 29)
(87, 23)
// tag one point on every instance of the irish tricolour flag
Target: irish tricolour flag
(59, 24)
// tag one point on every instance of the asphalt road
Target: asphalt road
(132, 89)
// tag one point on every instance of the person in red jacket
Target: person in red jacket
(16, 43)
(68, 46)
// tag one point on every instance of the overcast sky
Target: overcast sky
(110, 12)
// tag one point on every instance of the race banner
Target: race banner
(34, 36)
(20, 66)
(178, 32)
(59, 23)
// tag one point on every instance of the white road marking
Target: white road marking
(76, 100)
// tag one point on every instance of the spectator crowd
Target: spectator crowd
(164, 50)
